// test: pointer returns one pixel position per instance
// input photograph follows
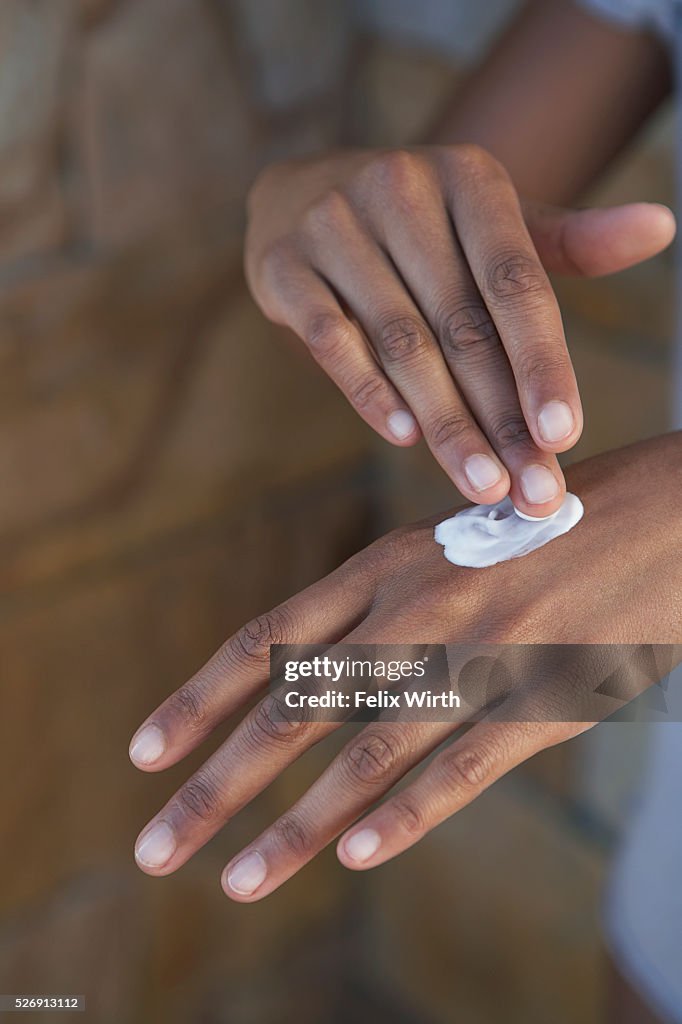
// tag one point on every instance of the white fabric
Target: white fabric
(656, 15)
(643, 906)
(455, 28)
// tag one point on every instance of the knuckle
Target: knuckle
(199, 798)
(274, 261)
(472, 161)
(398, 545)
(365, 393)
(409, 816)
(272, 721)
(228, 657)
(538, 367)
(253, 641)
(471, 154)
(511, 431)
(419, 608)
(432, 593)
(372, 759)
(514, 276)
(331, 213)
(293, 835)
(328, 335)
(390, 552)
(448, 429)
(188, 705)
(467, 329)
(402, 338)
(396, 169)
(360, 569)
(466, 768)
(524, 625)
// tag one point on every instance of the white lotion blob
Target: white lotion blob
(487, 534)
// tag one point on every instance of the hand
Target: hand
(616, 578)
(419, 283)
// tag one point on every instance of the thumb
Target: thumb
(599, 241)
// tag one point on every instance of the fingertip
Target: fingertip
(490, 497)
(243, 878)
(651, 227)
(486, 481)
(355, 850)
(659, 216)
(629, 234)
(232, 894)
(155, 848)
(147, 747)
(668, 225)
(539, 490)
(558, 426)
(403, 428)
(341, 852)
(410, 442)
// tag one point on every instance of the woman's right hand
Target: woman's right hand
(419, 282)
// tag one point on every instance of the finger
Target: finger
(259, 750)
(267, 740)
(322, 613)
(363, 771)
(517, 292)
(433, 265)
(599, 241)
(454, 778)
(300, 299)
(368, 283)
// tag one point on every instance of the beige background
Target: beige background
(171, 465)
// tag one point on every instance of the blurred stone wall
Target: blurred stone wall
(170, 466)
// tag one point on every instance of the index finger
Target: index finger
(266, 741)
(520, 299)
(322, 613)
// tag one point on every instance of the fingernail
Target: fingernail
(402, 424)
(148, 745)
(538, 484)
(482, 472)
(555, 422)
(247, 874)
(362, 845)
(536, 519)
(156, 847)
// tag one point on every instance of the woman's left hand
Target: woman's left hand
(615, 579)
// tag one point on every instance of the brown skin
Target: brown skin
(626, 1006)
(597, 584)
(559, 97)
(419, 283)
(418, 279)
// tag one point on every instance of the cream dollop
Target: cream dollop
(487, 534)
